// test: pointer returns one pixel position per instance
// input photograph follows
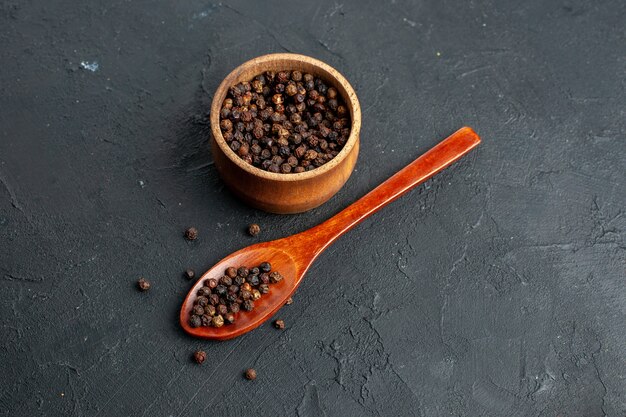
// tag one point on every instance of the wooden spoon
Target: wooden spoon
(292, 256)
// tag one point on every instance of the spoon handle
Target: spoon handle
(436, 159)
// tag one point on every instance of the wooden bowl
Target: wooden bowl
(285, 193)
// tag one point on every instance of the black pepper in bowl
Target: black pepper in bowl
(285, 122)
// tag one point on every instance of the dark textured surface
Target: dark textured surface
(497, 289)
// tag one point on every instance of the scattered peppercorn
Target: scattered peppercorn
(254, 229)
(285, 121)
(143, 284)
(220, 300)
(190, 273)
(191, 233)
(250, 374)
(279, 324)
(199, 356)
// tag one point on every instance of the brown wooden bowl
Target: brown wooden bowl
(285, 193)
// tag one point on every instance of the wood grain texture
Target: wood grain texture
(285, 193)
(292, 256)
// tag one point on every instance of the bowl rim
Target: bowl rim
(352, 103)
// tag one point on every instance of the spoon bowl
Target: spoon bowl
(292, 256)
(281, 260)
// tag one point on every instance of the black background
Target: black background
(495, 289)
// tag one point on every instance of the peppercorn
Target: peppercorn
(209, 310)
(205, 291)
(202, 301)
(275, 277)
(199, 356)
(229, 318)
(195, 321)
(253, 280)
(190, 273)
(239, 280)
(247, 305)
(299, 152)
(242, 271)
(265, 267)
(250, 374)
(211, 283)
(233, 289)
(221, 290)
(310, 154)
(264, 288)
(143, 284)
(191, 233)
(221, 309)
(290, 90)
(283, 76)
(243, 150)
(231, 272)
(226, 280)
(254, 229)
(226, 125)
(279, 324)
(198, 310)
(264, 278)
(214, 299)
(234, 307)
(256, 294)
(217, 321)
(254, 271)
(206, 320)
